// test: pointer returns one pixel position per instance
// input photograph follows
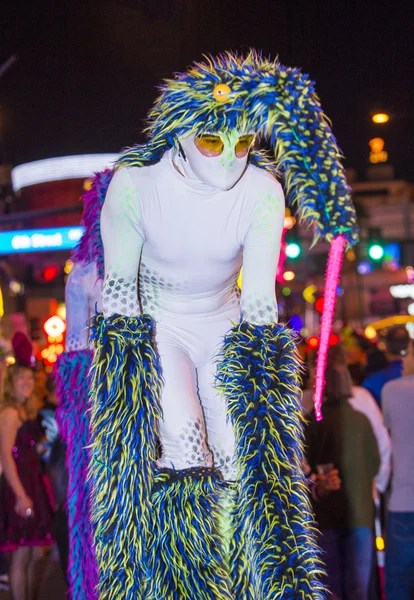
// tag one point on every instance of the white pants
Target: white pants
(194, 429)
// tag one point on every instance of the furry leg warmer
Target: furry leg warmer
(71, 376)
(125, 393)
(259, 373)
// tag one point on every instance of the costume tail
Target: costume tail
(71, 374)
(125, 391)
(259, 373)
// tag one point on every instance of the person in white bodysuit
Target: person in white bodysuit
(189, 241)
(196, 458)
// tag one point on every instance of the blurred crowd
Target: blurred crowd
(359, 468)
(360, 461)
(33, 485)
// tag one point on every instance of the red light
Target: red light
(319, 304)
(334, 339)
(313, 342)
(50, 273)
(54, 326)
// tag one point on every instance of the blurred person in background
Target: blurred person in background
(58, 473)
(344, 441)
(398, 408)
(357, 348)
(40, 390)
(4, 577)
(376, 361)
(361, 401)
(26, 501)
(51, 399)
(396, 342)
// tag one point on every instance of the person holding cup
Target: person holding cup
(344, 442)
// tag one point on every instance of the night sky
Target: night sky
(86, 71)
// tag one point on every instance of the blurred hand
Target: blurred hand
(325, 484)
(51, 428)
(24, 507)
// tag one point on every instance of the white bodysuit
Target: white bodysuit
(82, 297)
(189, 241)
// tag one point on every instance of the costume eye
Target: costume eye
(211, 143)
(221, 92)
(243, 145)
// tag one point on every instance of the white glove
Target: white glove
(51, 428)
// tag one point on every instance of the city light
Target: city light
(61, 311)
(288, 275)
(51, 353)
(1, 304)
(380, 118)
(406, 320)
(376, 252)
(370, 332)
(38, 240)
(286, 291)
(410, 274)
(377, 154)
(293, 250)
(289, 220)
(54, 327)
(364, 268)
(313, 342)
(403, 290)
(15, 287)
(50, 273)
(309, 293)
(319, 304)
(334, 339)
(379, 541)
(68, 266)
(60, 168)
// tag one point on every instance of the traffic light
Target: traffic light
(293, 250)
(375, 245)
(376, 251)
(50, 273)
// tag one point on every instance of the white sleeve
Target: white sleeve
(363, 402)
(261, 251)
(123, 238)
(77, 309)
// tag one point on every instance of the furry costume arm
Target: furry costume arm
(261, 254)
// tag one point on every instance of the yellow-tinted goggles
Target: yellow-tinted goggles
(215, 145)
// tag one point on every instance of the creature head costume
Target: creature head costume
(278, 105)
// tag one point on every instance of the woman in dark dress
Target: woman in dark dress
(26, 498)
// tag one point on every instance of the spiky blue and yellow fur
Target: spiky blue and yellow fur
(125, 384)
(274, 553)
(186, 554)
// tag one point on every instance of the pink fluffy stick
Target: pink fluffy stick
(333, 273)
